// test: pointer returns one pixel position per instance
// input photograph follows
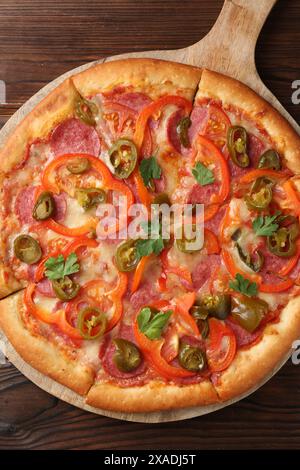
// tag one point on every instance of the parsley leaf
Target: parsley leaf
(152, 328)
(146, 247)
(58, 267)
(243, 285)
(149, 169)
(265, 225)
(202, 174)
(155, 244)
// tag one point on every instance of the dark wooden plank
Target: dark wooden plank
(41, 39)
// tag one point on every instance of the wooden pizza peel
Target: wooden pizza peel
(229, 48)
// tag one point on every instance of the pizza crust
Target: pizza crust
(232, 92)
(40, 353)
(151, 397)
(54, 108)
(150, 76)
(253, 364)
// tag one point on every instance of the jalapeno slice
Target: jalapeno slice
(123, 157)
(182, 243)
(44, 206)
(237, 139)
(255, 263)
(127, 356)
(86, 111)
(65, 289)
(200, 315)
(91, 323)
(217, 306)
(182, 131)
(282, 243)
(90, 197)
(248, 312)
(126, 256)
(270, 159)
(78, 166)
(27, 249)
(260, 194)
(191, 358)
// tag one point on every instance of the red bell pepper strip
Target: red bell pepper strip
(152, 109)
(152, 352)
(54, 318)
(220, 353)
(208, 152)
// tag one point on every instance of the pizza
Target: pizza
(138, 323)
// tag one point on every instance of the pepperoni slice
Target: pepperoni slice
(204, 269)
(25, 201)
(172, 135)
(44, 287)
(198, 118)
(135, 101)
(24, 204)
(243, 337)
(125, 332)
(73, 136)
(202, 194)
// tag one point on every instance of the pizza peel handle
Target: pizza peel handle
(228, 48)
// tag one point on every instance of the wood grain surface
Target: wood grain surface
(40, 40)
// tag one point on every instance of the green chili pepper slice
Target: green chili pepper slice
(200, 316)
(270, 159)
(237, 140)
(90, 197)
(86, 111)
(282, 243)
(255, 263)
(182, 243)
(182, 131)
(127, 356)
(65, 289)
(261, 194)
(27, 249)
(191, 358)
(126, 256)
(91, 323)
(217, 305)
(123, 157)
(44, 206)
(78, 166)
(249, 312)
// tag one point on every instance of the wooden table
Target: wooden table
(41, 39)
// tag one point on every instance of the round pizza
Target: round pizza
(95, 294)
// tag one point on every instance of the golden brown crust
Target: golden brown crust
(154, 77)
(232, 92)
(150, 397)
(40, 353)
(252, 365)
(54, 108)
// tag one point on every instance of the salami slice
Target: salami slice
(243, 337)
(25, 201)
(143, 296)
(198, 118)
(24, 204)
(204, 269)
(73, 136)
(172, 135)
(125, 332)
(44, 287)
(202, 194)
(133, 100)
